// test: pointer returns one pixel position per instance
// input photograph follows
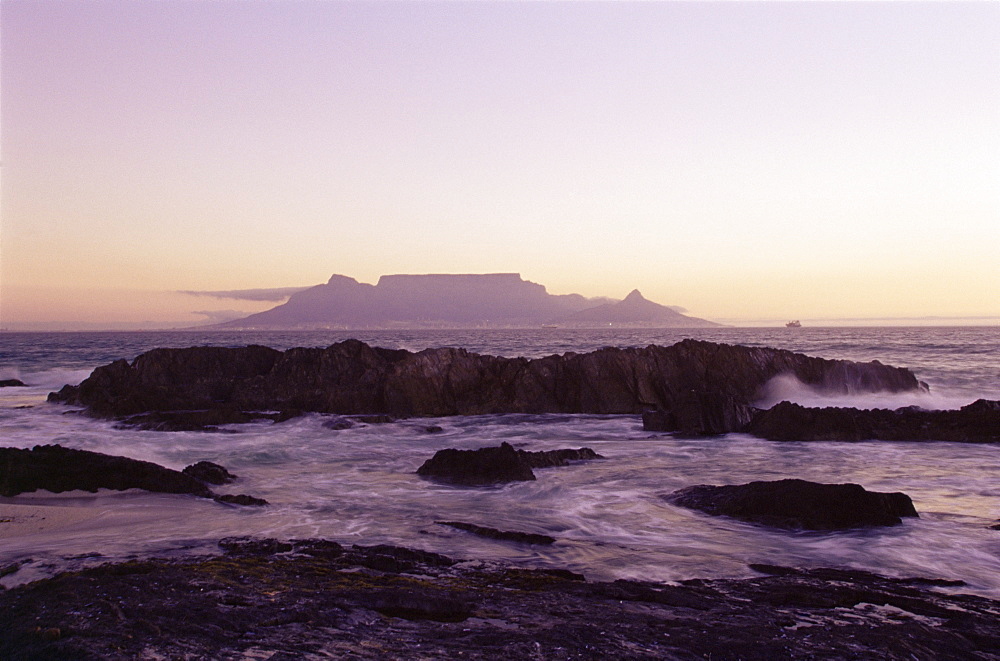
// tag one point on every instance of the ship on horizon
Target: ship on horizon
(794, 324)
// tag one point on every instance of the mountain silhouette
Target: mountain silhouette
(452, 300)
(633, 310)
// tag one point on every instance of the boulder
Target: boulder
(209, 472)
(487, 466)
(798, 504)
(352, 378)
(484, 466)
(8, 383)
(978, 422)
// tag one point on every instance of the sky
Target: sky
(747, 161)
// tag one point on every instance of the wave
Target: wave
(788, 388)
(52, 379)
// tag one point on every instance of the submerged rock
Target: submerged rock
(241, 499)
(207, 420)
(500, 535)
(352, 378)
(978, 422)
(305, 599)
(798, 504)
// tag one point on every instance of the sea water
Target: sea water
(358, 485)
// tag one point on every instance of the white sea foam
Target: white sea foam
(788, 388)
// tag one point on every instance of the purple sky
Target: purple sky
(744, 160)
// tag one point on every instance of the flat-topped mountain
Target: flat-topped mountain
(454, 300)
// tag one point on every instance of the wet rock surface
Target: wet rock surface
(798, 504)
(12, 383)
(316, 599)
(978, 422)
(352, 378)
(498, 465)
(554, 458)
(500, 535)
(209, 472)
(57, 469)
(481, 467)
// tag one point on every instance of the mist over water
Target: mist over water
(358, 485)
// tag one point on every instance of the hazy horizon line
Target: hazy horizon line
(827, 322)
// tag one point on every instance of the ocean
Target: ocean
(358, 485)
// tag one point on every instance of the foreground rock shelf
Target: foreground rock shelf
(708, 387)
(317, 599)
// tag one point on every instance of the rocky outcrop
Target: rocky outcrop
(57, 469)
(316, 598)
(12, 383)
(480, 467)
(352, 378)
(978, 422)
(498, 465)
(798, 504)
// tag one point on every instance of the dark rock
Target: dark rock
(253, 546)
(477, 467)
(496, 465)
(318, 548)
(241, 499)
(57, 469)
(394, 559)
(352, 378)
(433, 429)
(418, 605)
(978, 422)
(206, 471)
(551, 458)
(501, 535)
(8, 383)
(294, 605)
(798, 504)
(700, 413)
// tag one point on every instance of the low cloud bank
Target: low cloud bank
(276, 294)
